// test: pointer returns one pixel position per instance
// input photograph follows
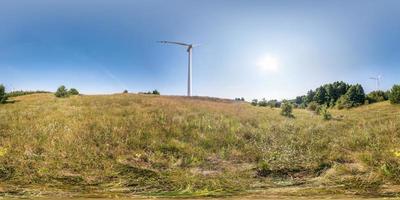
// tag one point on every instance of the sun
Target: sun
(268, 62)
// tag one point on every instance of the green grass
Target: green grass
(177, 146)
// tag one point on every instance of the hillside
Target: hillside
(159, 145)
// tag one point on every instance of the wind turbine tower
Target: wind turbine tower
(189, 48)
(378, 81)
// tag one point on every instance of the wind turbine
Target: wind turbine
(189, 50)
(378, 81)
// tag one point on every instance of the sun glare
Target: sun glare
(268, 63)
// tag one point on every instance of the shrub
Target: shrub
(377, 96)
(312, 106)
(263, 169)
(263, 103)
(125, 92)
(155, 92)
(387, 93)
(73, 91)
(254, 102)
(239, 99)
(286, 109)
(323, 111)
(302, 106)
(61, 92)
(343, 102)
(3, 95)
(273, 103)
(395, 95)
(318, 109)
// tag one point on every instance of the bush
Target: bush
(323, 111)
(62, 92)
(263, 103)
(286, 109)
(312, 106)
(125, 92)
(387, 93)
(273, 103)
(155, 92)
(377, 96)
(395, 94)
(254, 102)
(3, 95)
(318, 109)
(263, 169)
(343, 102)
(73, 91)
(239, 99)
(303, 106)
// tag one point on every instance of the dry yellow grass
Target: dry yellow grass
(192, 146)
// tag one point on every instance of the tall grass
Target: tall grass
(175, 145)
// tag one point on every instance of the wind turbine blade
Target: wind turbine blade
(171, 42)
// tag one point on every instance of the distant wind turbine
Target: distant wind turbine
(189, 50)
(378, 81)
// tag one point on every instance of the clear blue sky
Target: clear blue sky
(273, 49)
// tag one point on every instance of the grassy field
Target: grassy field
(177, 146)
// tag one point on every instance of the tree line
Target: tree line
(336, 95)
(4, 95)
(62, 92)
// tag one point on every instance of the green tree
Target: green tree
(310, 96)
(61, 92)
(3, 95)
(327, 94)
(339, 88)
(156, 92)
(356, 95)
(73, 91)
(395, 94)
(321, 96)
(300, 100)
